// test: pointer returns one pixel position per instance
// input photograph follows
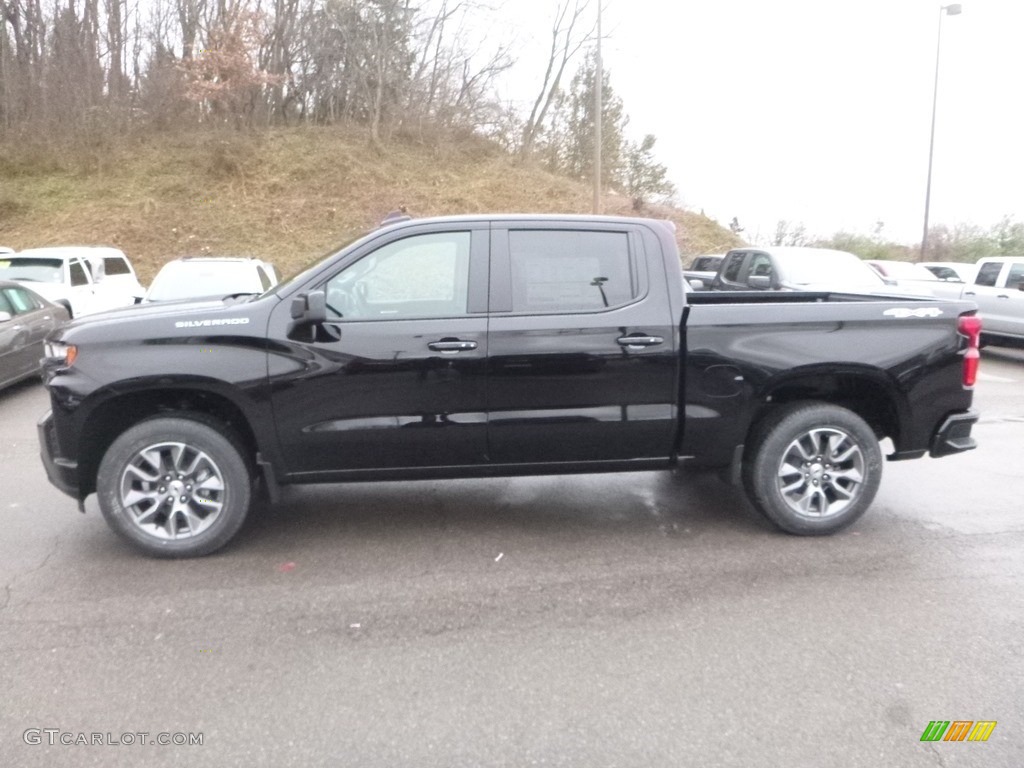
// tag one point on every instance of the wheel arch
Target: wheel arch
(120, 412)
(868, 393)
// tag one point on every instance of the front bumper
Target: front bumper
(954, 436)
(62, 472)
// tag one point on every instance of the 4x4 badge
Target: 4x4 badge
(906, 312)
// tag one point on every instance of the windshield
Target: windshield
(196, 279)
(834, 267)
(32, 270)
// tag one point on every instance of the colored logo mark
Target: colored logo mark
(958, 730)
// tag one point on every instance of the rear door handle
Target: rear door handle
(1002, 296)
(451, 346)
(639, 341)
(968, 293)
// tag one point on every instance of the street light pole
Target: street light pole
(944, 10)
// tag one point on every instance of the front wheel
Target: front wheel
(812, 468)
(175, 487)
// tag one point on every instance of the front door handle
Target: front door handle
(968, 293)
(639, 341)
(451, 346)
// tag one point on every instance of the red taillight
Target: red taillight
(970, 326)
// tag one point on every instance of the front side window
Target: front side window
(989, 273)
(760, 265)
(732, 269)
(78, 274)
(1013, 280)
(418, 276)
(565, 271)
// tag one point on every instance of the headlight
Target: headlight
(63, 354)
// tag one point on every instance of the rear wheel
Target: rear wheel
(175, 487)
(812, 468)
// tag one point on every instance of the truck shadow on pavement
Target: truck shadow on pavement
(685, 503)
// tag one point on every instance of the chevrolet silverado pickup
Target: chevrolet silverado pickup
(498, 345)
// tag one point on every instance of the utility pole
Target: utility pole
(598, 114)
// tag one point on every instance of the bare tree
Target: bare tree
(567, 39)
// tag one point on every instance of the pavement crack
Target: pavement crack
(8, 588)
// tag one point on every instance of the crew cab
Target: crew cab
(998, 290)
(82, 279)
(498, 345)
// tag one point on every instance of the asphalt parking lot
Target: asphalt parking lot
(622, 620)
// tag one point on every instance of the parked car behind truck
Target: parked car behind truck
(998, 290)
(83, 279)
(498, 345)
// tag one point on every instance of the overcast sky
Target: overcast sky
(816, 111)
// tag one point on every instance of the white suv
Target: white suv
(82, 279)
(197, 277)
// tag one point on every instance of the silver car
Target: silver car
(25, 320)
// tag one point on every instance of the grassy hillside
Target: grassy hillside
(287, 196)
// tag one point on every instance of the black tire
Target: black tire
(190, 465)
(812, 468)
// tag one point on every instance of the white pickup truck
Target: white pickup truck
(998, 290)
(83, 279)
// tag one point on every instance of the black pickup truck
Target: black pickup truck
(498, 345)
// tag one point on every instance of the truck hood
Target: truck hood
(163, 319)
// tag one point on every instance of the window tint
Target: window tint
(78, 274)
(570, 271)
(420, 276)
(20, 300)
(115, 265)
(989, 273)
(732, 269)
(1013, 280)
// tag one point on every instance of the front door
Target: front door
(396, 377)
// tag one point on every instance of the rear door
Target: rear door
(582, 365)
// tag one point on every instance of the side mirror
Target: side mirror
(137, 299)
(759, 282)
(697, 284)
(310, 308)
(1020, 285)
(5, 316)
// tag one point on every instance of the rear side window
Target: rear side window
(733, 267)
(78, 276)
(989, 273)
(567, 271)
(264, 280)
(115, 265)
